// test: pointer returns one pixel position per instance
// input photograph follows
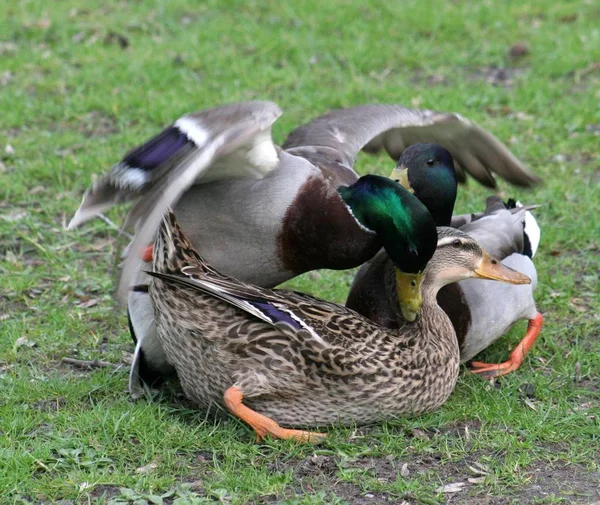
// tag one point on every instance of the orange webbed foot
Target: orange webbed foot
(491, 370)
(262, 425)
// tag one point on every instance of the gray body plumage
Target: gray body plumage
(496, 307)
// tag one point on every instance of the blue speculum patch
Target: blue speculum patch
(275, 314)
(157, 150)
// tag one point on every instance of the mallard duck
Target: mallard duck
(481, 312)
(276, 357)
(265, 214)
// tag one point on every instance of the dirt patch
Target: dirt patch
(420, 77)
(51, 405)
(498, 76)
(98, 124)
(325, 474)
(105, 491)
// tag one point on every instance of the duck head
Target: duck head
(427, 171)
(403, 225)
(458, 257)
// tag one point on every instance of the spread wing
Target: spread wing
(229, 141)
(343, 133)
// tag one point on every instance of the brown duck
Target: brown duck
(276, 357)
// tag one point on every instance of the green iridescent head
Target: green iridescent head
(428, 171)
(402, 223)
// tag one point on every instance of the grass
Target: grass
(82, 82)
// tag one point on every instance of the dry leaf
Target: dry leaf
(89, 303)
(116, 38)
(7, 47)
(23, 341)
(147, 468)
(44, 23)
(455, 487)
(416, 101)
(476, 480)
(578, 372)
(420, 434)
(568, 18)
(478, 468)
(578, 304)
(518, 50)
(530, 404)
(404, 471)
(16, 216)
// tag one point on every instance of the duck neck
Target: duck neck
(431, 317)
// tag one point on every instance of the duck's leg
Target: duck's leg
(490, 370)
(262, 425)
(147, 254)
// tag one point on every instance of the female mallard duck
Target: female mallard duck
(481, 312)
(274, 356)
(264, 214)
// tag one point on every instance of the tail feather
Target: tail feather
(502, 228)
(531, 232)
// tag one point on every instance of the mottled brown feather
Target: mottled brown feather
(354, 371)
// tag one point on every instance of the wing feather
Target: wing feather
(176, 157)
(393, 128)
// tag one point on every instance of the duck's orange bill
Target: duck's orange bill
(147, 254)
(491, 268)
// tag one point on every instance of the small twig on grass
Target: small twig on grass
(89, 365)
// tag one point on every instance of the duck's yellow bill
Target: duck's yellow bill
(400, 175)
(408, 289)
(491, 268)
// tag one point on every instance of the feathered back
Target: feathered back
(502, 228)
(531, 230)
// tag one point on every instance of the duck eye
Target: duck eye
(430, 162)
(456, 243)
(413, 283)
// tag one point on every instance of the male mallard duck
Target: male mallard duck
(274, 356)
(481, 312)
(264, 214)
